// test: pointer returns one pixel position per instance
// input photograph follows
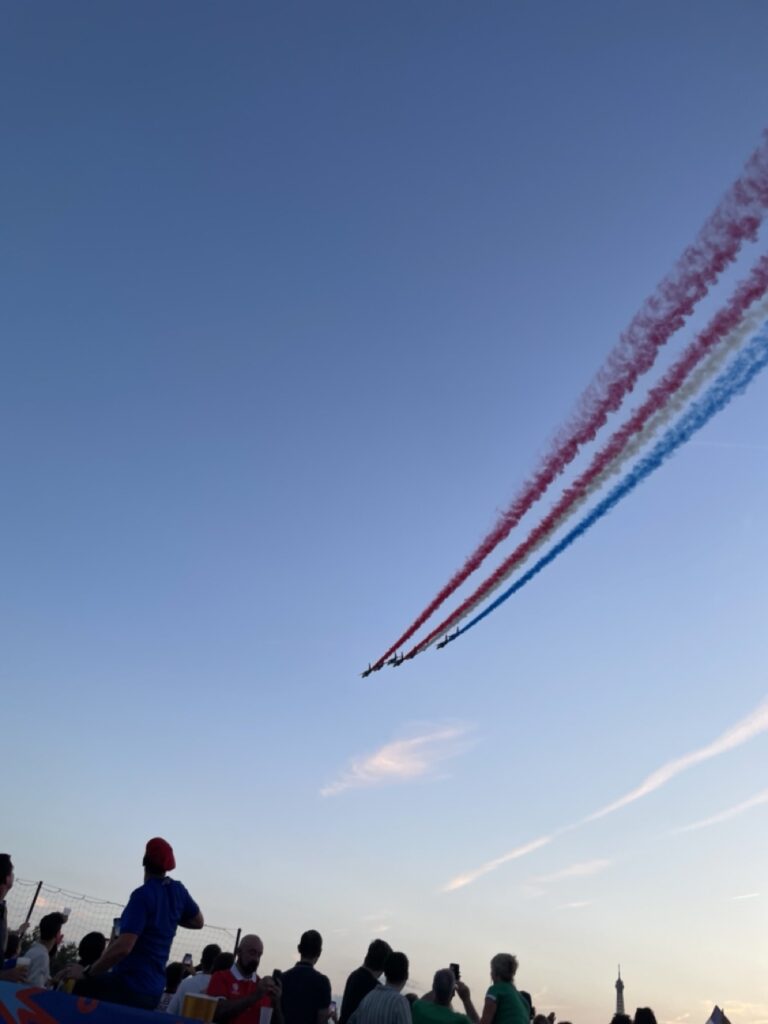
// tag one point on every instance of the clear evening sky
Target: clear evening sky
(294, 295)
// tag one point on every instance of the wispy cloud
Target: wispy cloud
(402, 760)
(519, 851)
(731, 812)
(755, 723)
(582, 870)
(575, 904)
(747, 896)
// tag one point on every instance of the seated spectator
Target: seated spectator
(198, 982)
(306, 997)
(242, 994)
(14, 973)
(503, 1003)
(173, 974)
(364, 979)
(437, 1010)
(223, 962)
(131, 971)
(90, 949)
(385, 1004)
(40, 952)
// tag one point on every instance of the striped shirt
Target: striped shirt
(384, 1005)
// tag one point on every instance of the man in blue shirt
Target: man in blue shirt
(131, 970)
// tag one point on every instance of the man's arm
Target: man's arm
(462, 991)
(117, 950)
(193, 922)
(228, 1008)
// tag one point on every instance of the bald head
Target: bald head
(444, 985)
(249, 954)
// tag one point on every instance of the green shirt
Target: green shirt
(510, 1005)
(424, 1011)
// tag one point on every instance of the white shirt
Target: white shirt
(384, 1005)
(39, 973)
(194, 985)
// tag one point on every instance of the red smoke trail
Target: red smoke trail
(735, 220)
(722, 324)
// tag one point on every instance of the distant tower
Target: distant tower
(619, 993)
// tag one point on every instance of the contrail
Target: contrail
(701, 360)
(735, 220)
(732, 382)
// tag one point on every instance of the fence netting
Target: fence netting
(88, 914)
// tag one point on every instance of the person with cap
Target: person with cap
(131, 971)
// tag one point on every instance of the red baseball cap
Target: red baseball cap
(160, 853)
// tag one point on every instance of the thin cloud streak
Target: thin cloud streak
(747, 896)
(583, 870)
(755, 723)
(731, 812)
(519, 851)
(402, 760)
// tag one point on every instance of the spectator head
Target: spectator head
(249, 954)
(91, 947)
(223, 962)
(206, 960)
(411, 997)
(50, 928)
(158, 858)
(528, 1002)
(311, 945)
(376, 957)
(396, 970)
(6, 874)
(645, 1015)
(173, 975)
(503, 967)
(444, 986)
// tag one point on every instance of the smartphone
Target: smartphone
(332, 1007)
(66, 912)
(456, 971)
(187, 961)
(277, 975)
(115, 927)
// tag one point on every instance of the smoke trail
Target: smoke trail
(734, 221)
(675, 389)
(732, 382)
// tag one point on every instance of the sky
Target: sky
(294, 298)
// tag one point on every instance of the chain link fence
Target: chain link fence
(33, 900)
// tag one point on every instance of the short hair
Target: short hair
(396, 968)
(377, 954)
(444, 985)
(91, 947)
(173, 974)
(223, 962)
(208, 956)
(504, 966)
(311, 943)
(50, 926)
(6, 866)
(645, 1015)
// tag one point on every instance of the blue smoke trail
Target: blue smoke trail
(733, 381)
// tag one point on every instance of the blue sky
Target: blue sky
(294, 297)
